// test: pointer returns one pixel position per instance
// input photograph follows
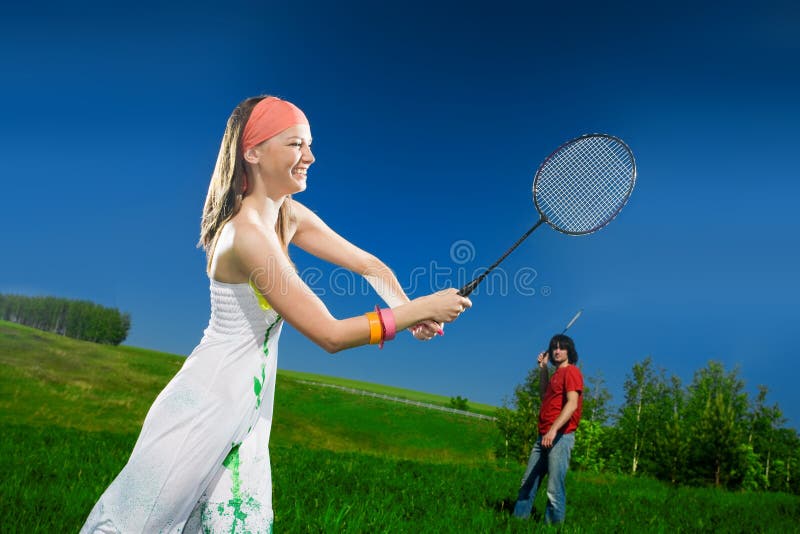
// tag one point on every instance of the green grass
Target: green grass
(47, 379)
(53, 476)
(71, 412)
(50, 380)
(325, 418)
(408, 394)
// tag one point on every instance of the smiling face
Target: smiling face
(282, 161)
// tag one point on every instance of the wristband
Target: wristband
(375, 330)
(383, 327)
(389, 324)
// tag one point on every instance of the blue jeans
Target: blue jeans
(554, 463)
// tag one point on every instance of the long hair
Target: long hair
(229, 185)
(565, 342)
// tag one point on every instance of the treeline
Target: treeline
(78, 319)
(708, 433)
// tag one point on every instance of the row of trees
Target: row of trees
(708, 433)
(79, 319)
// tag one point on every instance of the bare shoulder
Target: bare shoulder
(301, 212)
(305, 218)
(250, 239)
(236, 250)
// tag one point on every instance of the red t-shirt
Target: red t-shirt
(565, 379)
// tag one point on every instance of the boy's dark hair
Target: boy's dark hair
(564, 342)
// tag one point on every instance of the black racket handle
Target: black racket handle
(470, 287)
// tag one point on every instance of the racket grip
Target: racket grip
(469, 288)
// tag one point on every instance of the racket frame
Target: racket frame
(470, 287)
(622, 204)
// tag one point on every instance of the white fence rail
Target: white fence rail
(399, 399)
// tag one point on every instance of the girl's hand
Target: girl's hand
(445, 306)
(442, 307)
(426, 330)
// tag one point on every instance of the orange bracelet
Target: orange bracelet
(375, 329)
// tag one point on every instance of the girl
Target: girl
(201, 462)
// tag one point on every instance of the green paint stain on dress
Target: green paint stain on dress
(239, 503)
(232, 462)
(258, 384)
(265, 346)
(240, 507)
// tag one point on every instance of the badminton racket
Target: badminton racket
(578, 189)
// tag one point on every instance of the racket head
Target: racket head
(584, 183)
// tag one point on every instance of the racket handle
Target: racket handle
(469, 288)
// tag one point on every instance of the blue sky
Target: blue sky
(433, 120)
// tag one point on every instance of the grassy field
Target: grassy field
(50, 380)
(52, 477)
(71, 412)
(46, 379)
(429, 398)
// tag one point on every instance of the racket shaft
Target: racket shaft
(572, 322)
(470, 287)
(569, 324)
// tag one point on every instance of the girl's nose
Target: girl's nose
(308, 156)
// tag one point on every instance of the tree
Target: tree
(595, 399)
(73, 318)
(519, 423)
(671, 437)
(459, 403)
(589, 436)
(638, 417)
(717, 413)
(705, 434)
(764, 423)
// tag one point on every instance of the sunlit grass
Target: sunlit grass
(53, 476)
(419, 396)
(71, 412)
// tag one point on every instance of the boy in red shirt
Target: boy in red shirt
(559, 416)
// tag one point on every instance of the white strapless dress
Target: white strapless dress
(201, 462)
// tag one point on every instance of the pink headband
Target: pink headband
(270, 117)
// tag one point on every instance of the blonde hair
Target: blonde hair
(229, 182)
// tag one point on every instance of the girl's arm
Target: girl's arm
(259, 254)
(319, 239)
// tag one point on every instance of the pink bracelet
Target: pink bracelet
(383, 327)
(389, 324)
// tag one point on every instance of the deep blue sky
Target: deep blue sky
(433, 120)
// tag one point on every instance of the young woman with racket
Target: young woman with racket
(201, 462)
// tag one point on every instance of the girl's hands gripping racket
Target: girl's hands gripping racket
(578, 189)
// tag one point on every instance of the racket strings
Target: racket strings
(583, 185)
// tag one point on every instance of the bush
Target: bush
(79, 319)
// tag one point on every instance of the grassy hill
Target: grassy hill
(51, 380)
(70, 413)
(429, 398)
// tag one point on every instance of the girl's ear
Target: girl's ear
(251, 155)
